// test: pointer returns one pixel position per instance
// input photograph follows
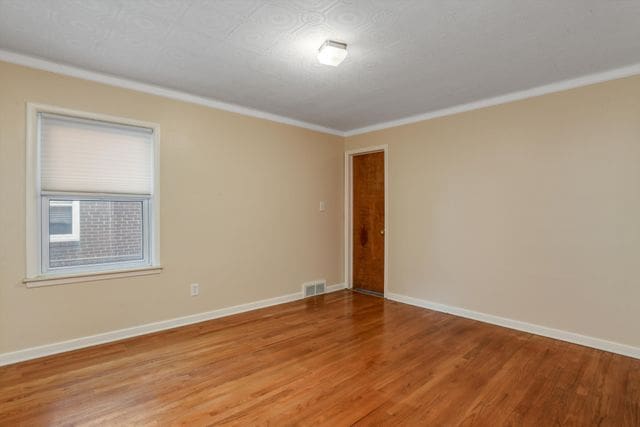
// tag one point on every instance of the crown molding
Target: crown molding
(589, 79)
(68, 70)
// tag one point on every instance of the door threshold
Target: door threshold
(368, 292)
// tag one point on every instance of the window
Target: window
(64, 221)
(92, 194)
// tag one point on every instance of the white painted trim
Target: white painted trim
(91, 276)
(348, 216)
(33, 228)
(348, 279)
(336, 287)
(54, 67)
(68, 70)
(600, 344)
(589, 79)
(78, 343)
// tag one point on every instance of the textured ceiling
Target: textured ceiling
(406, 57)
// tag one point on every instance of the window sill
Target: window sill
(51, 280)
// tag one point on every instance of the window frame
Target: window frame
(106, 266)
(38, 273)
(74, 236)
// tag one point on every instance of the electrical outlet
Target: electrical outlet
(323, 206)
(195, 289)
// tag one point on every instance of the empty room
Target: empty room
(320, 212)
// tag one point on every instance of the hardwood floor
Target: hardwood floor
(337, 359)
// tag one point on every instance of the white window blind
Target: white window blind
(90, 156)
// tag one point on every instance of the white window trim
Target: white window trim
(75, 222)
(34, 227)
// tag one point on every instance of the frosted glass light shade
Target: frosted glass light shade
(332, 53)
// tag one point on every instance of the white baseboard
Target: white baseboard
(106, 337)
(600, 344)
(336, 287)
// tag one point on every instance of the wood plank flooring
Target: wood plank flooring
(337, 359)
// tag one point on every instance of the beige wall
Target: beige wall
(239, 213)
(528, 210)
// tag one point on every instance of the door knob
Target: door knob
(382, 231)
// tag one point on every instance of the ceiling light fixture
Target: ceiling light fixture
(332, 53)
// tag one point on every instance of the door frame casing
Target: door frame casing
(348, 211)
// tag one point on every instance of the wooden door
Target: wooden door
(368, 222)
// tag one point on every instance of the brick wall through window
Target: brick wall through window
(109, 232)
